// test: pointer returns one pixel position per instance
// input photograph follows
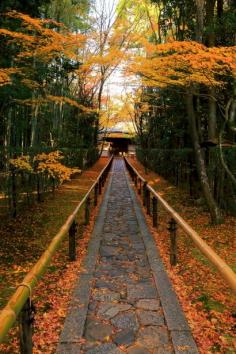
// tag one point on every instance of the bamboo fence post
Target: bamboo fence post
(26, 320)
(154, 212)
(144, 192)
(87, 210)
(173, 244)
(96, 195)
(100, 186)
(103, 180)
(72, 241)
(148, 202)
(135, 180)
(140, 187)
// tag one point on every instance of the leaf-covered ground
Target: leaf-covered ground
(208, 303)
(24, 239)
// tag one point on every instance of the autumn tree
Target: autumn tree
(165, 124)
(188, 66)
(45, 61)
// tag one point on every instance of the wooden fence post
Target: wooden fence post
(103, 180)
(104, 177)
(96, 195)
(26, 320)
(154, 212)
(87, 210)
(131, 174)
(144, 193)
(135, 180)
(72, 241)
(140, 186)
(173, 244)
(148, 202)
(100, 186)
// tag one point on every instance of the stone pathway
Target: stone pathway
(125, 313)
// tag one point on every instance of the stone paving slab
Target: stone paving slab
(126, 304)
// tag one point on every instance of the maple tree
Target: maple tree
(105, 52)
(193, 72)
(46, 54)
(185, 64)
(48, 169)
(21, 164)
(40, 108)
(50, 165)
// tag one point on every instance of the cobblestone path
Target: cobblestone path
(124, 302)
(124, 308)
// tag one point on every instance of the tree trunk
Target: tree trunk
(200, 20)
(220, 8)
(210, 36)
(201, 167)
(60, 124)
(210, 42)
(212, 116)
(96, 130)
(14, 195)
(232, 113)
(7, 138)
(34, 124)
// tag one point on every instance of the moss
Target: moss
(210, 304)
(200, 257)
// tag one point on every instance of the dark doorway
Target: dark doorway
(119, 145)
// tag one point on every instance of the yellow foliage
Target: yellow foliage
(42, 42)
(5, 75)
(185, 64)
(51, 98)
(50, 165)
(21, 164)
(64, 100)
(29, 22)
(30, 83)
(17, 35)
(113, 57)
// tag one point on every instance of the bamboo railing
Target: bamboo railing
(20, 302)
(146, 190)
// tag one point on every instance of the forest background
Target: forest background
(177, 60)
(178, 63)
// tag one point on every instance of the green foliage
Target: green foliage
(70, 12)
(211, 305)
(30, 7)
